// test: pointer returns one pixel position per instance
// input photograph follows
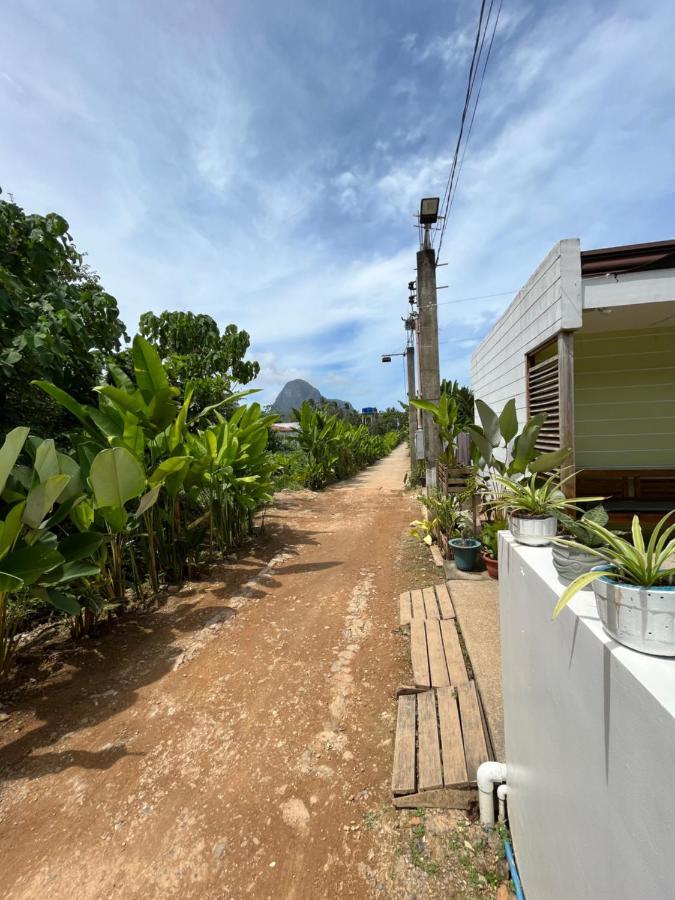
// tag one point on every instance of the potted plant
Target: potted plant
(571, 560)
(634, 587)
(465, 550)
(532, 506)
(447, 517)
(490, 539)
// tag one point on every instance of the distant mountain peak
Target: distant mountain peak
(294, 393)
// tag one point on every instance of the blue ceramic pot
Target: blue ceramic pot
(466, 553)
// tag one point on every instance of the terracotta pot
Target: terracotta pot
(491, 564)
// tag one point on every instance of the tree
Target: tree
(463, 397)
(194, 350)
(56, 321)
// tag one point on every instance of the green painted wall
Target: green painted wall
(624, 395)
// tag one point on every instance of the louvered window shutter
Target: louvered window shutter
(543, 394)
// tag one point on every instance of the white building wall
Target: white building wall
(548, 303)
(590, 736)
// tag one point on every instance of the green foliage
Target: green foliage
(501, 451)
(639, 563)
(334, 448)
(463, 397)
(445, 414)
(446, 513)
(579, 528)
(490, 536)
(534, 497)
(195, 352)
(56, 321)
(142, 492)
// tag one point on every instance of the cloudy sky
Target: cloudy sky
(262, 161)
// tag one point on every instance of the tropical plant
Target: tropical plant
(463, 397)
(502, 451)
(579, 528)
(423, 530)
(37, 557)
(450, 425)
(56, 321)
(447, 513)
(334, 448)
(490, 536)
(640, 563)
(533, 497)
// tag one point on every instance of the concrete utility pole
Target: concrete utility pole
(430, 375)
(412, 411)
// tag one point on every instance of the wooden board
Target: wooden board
(403, 777)
(417, 601)
(475, 748)
(437, 556)
(405, 607)
(438, 670)
(430, 773)
(454, 765)
(453, 652)
(430, 606)
(440, 799)
(445, 602)
(418, 653)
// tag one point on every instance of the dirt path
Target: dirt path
(238, 741)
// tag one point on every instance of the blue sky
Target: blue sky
(262, 162)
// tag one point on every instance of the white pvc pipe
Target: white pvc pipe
(489, 774)
(502, 794)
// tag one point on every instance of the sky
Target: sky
(262, 162)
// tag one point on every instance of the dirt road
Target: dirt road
(219, 747)
(236, 742)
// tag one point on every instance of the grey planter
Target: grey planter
(638, 617)
(535, 532)
(570, 563)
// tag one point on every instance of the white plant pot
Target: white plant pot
(638, 617)
(535, 532)
(570, 563)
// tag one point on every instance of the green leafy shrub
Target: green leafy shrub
(143, 489)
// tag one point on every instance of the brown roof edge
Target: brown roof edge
(628, 258)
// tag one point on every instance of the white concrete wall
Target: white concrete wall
(590, 744)
(549, 302)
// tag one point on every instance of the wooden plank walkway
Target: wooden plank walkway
(435, 653)
(429, 603)
(441, 735)
(440, 742)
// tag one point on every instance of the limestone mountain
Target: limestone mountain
(294, 393)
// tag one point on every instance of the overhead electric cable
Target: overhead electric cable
(456, 166)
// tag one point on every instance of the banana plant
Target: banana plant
(450, 425)
(34, 559)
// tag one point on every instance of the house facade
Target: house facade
(590, 341)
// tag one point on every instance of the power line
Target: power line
(455, 169)
(473, 115)
(479, 297)
(467, 98)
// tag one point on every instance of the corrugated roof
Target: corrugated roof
(628, 258)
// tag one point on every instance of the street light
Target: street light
(387, 356)
(429, 210)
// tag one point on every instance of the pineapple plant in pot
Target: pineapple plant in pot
(574, 559)
(634, 586)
